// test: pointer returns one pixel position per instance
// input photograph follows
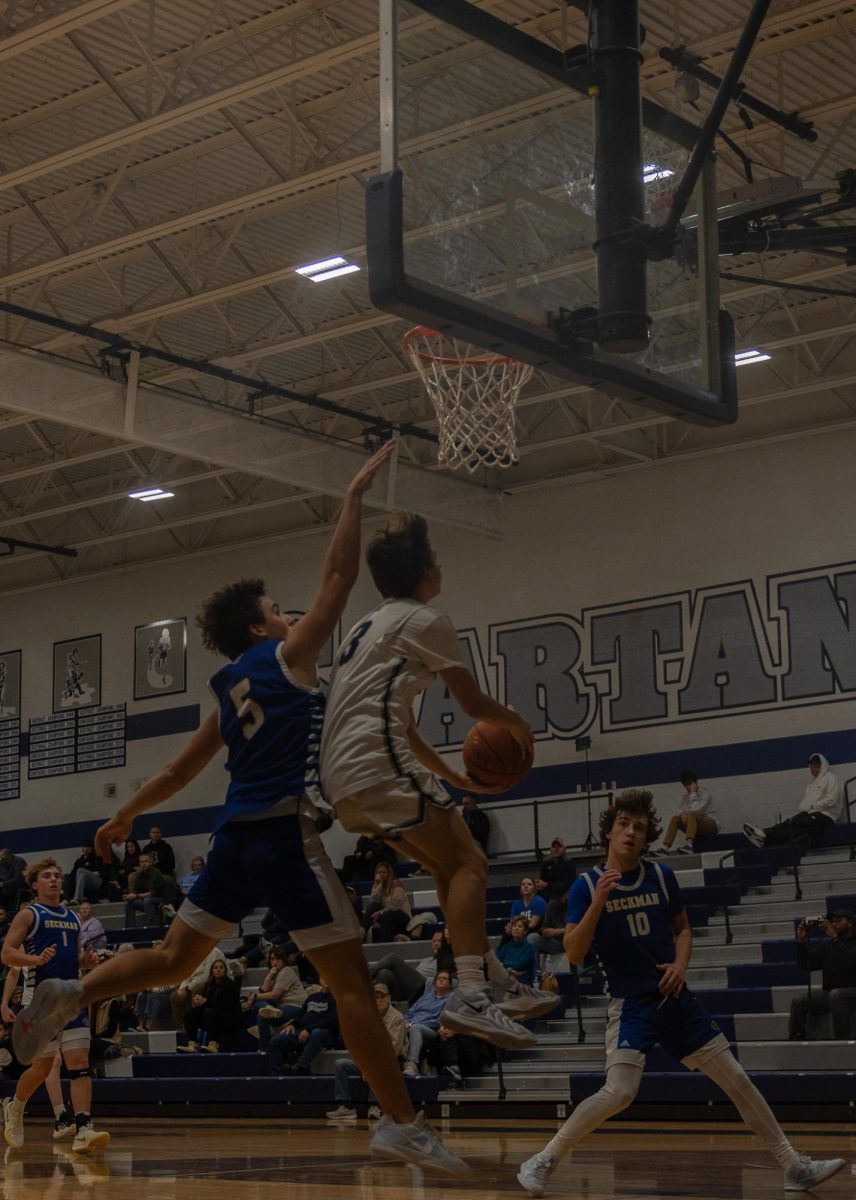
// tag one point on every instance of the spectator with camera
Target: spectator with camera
(836, 958)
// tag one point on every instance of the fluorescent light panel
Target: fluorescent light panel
(155, 493)
(327, 268)
(750, 356)
(324, 265)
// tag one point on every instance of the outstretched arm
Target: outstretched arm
(341, 567)
(170, 779)
(482, 707)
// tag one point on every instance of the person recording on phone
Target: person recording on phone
(836, 958)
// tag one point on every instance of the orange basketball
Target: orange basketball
(492, 757)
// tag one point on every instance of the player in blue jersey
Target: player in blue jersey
(631, 913)
(265, 848)
(44, 939)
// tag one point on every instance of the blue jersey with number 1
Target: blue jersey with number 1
(58, 927)
(271, 725)
(635, 930)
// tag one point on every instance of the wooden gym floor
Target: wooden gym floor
(312, 1160)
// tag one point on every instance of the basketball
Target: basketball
(492, 757)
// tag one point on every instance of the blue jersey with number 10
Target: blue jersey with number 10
(271, 725)
(635, 930)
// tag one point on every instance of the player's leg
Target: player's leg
(720, 1065)
(401, 1134)
(621, 1086)
(58, 1001)
(13, 1107)
(64, 1126)
(75, 1051)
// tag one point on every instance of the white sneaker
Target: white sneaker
(55, 1002)
(755, 835)
(410, 1068)
(470, 1011)
(64, 1128)
(89, 1139)
(522, 1002)
(342, 1113)
(808, 1173)
(418, 1144)
(534, 1174)
(13, 1123)
(374, 1113)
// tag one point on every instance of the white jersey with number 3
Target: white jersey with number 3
(382, 665)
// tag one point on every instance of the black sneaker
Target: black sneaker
(64, 1128)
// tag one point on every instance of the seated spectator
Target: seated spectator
(819, 808)
(153, 1008)
(281, 997)
(476, 820)
(553, 929)
(557, 872)
(130, 862)
(519, 956)
(315, 1028)
(86, 879)
(12, 868)
(146, 893)
(387, 912)
(214, 1016)
(5, 922)
(161, 854)
(422, 1020)
(180, 997)
(187, 881)
(92, 935)
(530, 905)
(836, 958)
(347, 1070)
(695, 816)
(406, 982)
(368, 852)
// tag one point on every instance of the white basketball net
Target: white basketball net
(474, 393)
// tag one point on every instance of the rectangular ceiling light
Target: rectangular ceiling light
(327, 268)
(653, 171)
(155, 493)
(750, 356)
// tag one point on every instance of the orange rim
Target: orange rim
(425, 331)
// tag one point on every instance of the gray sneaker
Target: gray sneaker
(808, 1173)
(522, 1002)
(534, 1174)
(13, 1123)
(417, 1144)
(470, 1011)
(755, 835)
(55, 1003)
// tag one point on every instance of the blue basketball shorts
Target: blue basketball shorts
(679, 1024)
(278, 863)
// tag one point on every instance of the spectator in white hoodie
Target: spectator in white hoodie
(819, 808)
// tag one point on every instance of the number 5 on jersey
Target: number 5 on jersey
(250, 714)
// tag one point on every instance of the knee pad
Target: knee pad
(78, 1073)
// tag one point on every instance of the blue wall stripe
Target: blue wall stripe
(729, 759)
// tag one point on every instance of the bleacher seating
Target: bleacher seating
(746, 982)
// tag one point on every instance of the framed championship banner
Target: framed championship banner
(77, 673)
(10, 684)
(160, 658)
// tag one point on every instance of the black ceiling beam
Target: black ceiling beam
(13, 544)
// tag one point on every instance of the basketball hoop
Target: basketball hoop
(474, 393)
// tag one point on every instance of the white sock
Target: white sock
(496, 972)
(59, 1110)
(727, 1073)
(470, 968)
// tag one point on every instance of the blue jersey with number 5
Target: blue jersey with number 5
(635, 929)
(58, 927)
(271, 725)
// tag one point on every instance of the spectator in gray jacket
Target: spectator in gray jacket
(695, 816)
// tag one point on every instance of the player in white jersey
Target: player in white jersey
(380, 774)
